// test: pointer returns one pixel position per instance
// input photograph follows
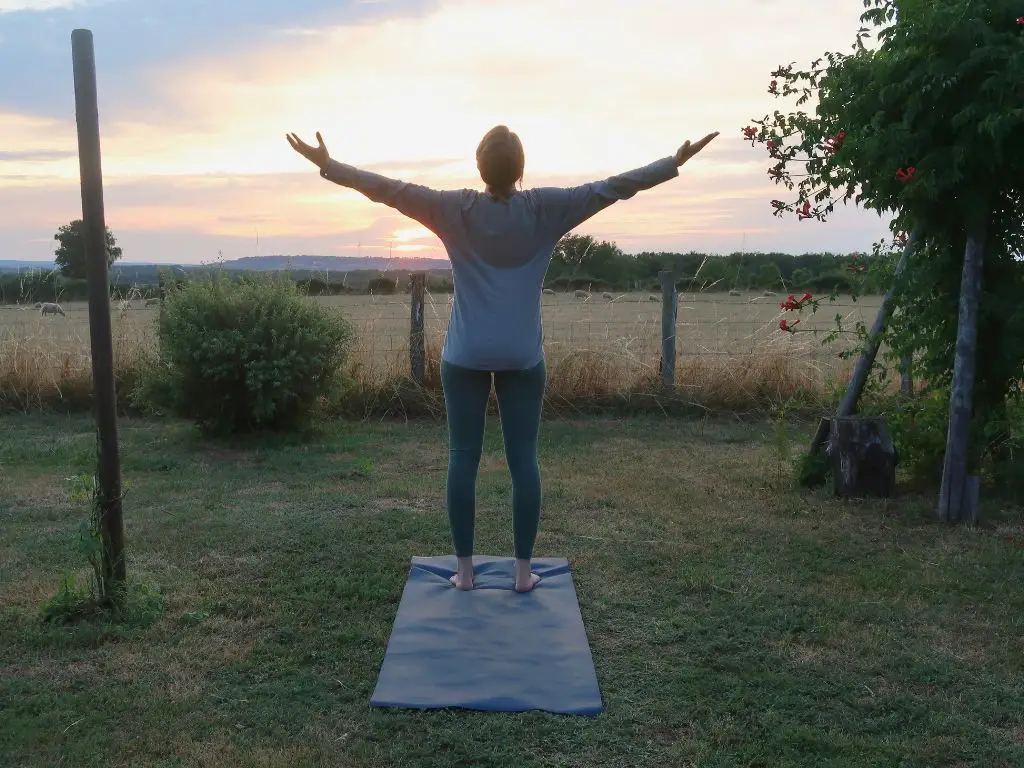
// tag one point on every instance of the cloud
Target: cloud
(10, 6)
(35, 155)
(133, 37)
(193, 131)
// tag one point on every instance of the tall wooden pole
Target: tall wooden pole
(958, 497)
(97, 271)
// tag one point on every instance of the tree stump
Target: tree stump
(862, 456)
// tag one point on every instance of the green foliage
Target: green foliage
(812, 469)
(918, 430)
(244, 356)
(439, 285)
(801, 279)
(70, 253)
(382, 285)
(697, 272)
(32, 285)
(97, 599)
(929, 127)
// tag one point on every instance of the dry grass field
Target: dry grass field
(731, 351)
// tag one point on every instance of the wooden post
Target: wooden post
(848, 405)
(417, 348)
(668, 329)
(161, 295)
(906, 376)
(957, 497)
(108, 491)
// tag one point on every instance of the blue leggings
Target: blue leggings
(520, 397)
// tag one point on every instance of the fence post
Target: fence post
(668, 328)
(906, 376)
(108, 475)
(417, 350)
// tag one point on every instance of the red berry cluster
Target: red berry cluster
(834, 143)
(906, 175)
(792, 303)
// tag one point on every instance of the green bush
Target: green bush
(382, 285)
(440, 285)
(245, 356)
(918, 430)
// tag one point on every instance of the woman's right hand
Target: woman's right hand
(317, 155)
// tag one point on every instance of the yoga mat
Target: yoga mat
(491, 648)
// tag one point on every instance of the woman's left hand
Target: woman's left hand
(318, 155)
(688, 150)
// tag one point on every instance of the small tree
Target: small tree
(70, 253)
(928, 128)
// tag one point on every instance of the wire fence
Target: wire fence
(624, 332)
(626, 329)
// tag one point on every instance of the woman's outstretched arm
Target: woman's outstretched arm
(430, 207)
(564, 209)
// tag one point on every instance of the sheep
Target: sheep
(548, 292)
(37, 305)
(654, 298)
(152, 302)
(51, 308)
(607, 296)
(580, 294)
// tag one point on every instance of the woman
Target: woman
(500, 243)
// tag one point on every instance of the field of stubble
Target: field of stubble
(729, 344)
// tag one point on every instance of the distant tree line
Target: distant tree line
(579, 261)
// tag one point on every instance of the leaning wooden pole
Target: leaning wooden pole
(958, 495)
(848, 405)
(108, 475)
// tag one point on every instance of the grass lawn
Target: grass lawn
(733, 621)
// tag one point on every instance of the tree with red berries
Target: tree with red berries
(927, 127)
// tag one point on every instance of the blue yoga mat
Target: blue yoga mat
(491, 648)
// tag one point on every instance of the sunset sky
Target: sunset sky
(196, 97)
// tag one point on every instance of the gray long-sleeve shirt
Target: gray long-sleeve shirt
(500, 251)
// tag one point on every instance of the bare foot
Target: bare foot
(527, 585)
(525, 579)
(463, 578)
(462, 581)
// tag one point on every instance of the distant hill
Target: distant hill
(13, 265)
(334, 263)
